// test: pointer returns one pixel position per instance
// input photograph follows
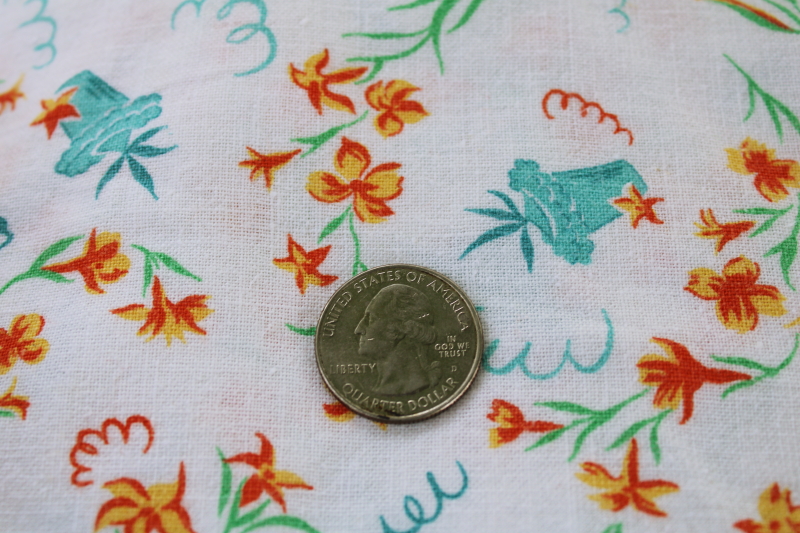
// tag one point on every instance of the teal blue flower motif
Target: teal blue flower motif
(566, 207)
(107, 121)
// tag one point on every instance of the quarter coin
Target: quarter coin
(399, 343)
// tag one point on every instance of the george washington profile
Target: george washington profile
(395, 331)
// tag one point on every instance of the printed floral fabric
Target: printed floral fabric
(614, 183)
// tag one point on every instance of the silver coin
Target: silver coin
(399, 343)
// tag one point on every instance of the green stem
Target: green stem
(15, 279)
(766, 371)
(358, 266)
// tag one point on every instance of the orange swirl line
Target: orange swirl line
(566, 97)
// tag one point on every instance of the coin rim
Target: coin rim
(433, 411)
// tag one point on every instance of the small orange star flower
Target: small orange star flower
(773, 176)
(157, 508)
(724, 233)
(627, 489)
(511, 424)
(14, 404)
(22, 341)
(266, 479)
(394, 107)
(740, 300)
(679, 376)
(11, 96)
(304, 265)
(316, 83)
(101, 262)
(266, 164)
(55, 111)
(167, 318)
(777, 511)
(639, 207)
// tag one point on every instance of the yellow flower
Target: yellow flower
(156, 508)
(395, 109)
(101, 262)
(739, 298)
(21, 341)
(778, 513)
(773, 176)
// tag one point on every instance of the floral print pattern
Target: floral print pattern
(316, 83)
(101, 262)
(773, 176)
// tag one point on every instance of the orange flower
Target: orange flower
(511, 424)
(739, 299)
(266, 164)
(167, 318)
(778, 513)
(157, 508)
(724, 233)
(56, 110)
(773, 176)
(339, 412)
(101, 262)
(316, 83)
(679, 375)
(394, 107)
(370, 192)
(266, 479)
(638, 207)
(304, 265)
(14, 404)
(11, 96)
(627, 489)
(21, 342)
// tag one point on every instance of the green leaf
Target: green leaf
(225, 484)
(50, 276)
(148, 274)
(141, 175)
(176, 267)
(613, 528)
(6, 414)
(762, 211)
(318, 140)
(282, 520)
(333, 225)
(629, 433)
(508, 201)
(527, 247)
(655, 448)
(385, 35)
(766, 225)
(53, 250)
(112, 171)
(492, 234)
(308, 332)
(549, 437)
(146, 136)
(739, 361)
(471, 9)
(583, 436)
(741, 385)
(411, 5)
(788, 251)
(568, 407)
(498, 214)
(145, 150)
(251, 515)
